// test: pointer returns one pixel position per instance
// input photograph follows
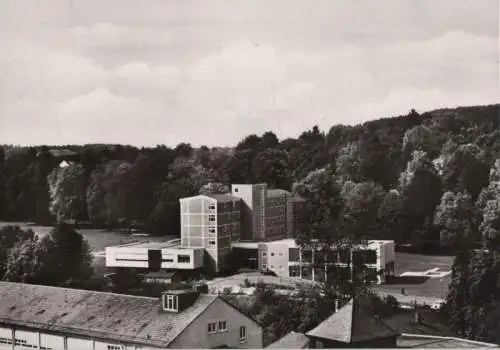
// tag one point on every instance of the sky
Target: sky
(210, 72)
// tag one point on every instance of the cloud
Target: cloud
(109, 35)
(244, 86)
(101, 116)
(35, 72)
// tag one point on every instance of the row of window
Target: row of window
(24, 344)
(221, 326)
(264, 254)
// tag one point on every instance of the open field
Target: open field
(433, 287)
(98, 240)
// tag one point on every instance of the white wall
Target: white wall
(5, 338)
(43, 341)
(116, 255)
(23, 338)
(50, 341)
(83, 344)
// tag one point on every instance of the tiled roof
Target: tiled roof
(292, 340)
(429, 323)
(277, 193)
(125, 318)
(432, 342)
(224, 198)
(354, 322)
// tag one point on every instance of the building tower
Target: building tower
(253, 212)
(213, 223)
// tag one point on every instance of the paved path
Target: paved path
(237, 280)
(410, 299)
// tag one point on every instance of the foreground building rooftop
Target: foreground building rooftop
(355, 325)
(122, 318)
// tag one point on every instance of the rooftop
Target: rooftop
(245, 245)
(117, 317)
(353, 323)
(276, 192)
(174, 244)
(224, 198)
(292, 340)
(436, 342)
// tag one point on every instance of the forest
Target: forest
(413, 170)
(428, 180)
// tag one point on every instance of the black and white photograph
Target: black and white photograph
(288, 174)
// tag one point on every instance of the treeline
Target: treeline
(410, 167)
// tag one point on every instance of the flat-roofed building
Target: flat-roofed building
(154, 256)
(295, 216)
(51, 318)
(276, 214)
(286, 259)
(212, 223)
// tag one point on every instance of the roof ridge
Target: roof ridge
(79, 290)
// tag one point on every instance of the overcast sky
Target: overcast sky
(148, 72)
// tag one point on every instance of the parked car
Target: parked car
(437, 305)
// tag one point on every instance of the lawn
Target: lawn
(98, 240)
(420, 286)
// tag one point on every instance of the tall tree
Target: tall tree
(9, 237)
(348, 163)
(214, 188)
(62, 258)
(421, 138)
(67, 192)
(421, 189)
(361, 210)
(272, 166)
(466, 170)
(455, 217)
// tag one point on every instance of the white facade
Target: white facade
(23, 339)
(284, 256)
(138, 257)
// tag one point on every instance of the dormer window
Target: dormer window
(170, 303)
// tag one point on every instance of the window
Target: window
(222, 326)
(211, 230)
(114, 347)
(211, 217)
(272, 254)
(264, 254)
(211, 243)
(211, 206)
(168, 260)
(235, 190)
(5, 340)
(212, 327)
(243, 333)
(183, 259)
(264, 267)
(170, 302)
(281, 254)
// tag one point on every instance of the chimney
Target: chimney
(176, 301)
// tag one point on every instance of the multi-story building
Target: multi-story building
(51, 318)
(276, 214)
(253, 211)
(295, 215)
(286, 259)
(211, 222)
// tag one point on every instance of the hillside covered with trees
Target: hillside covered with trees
(414, 169)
